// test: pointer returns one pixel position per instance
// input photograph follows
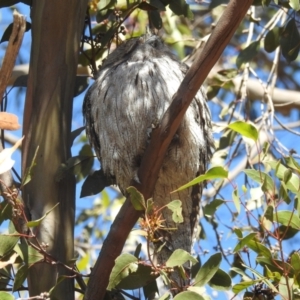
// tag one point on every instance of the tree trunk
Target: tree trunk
(56, 30)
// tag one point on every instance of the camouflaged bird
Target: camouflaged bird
(133, 90)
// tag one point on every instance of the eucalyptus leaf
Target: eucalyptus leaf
(37, 222)
(176, 207)
(287, 218)
(208, 270)
(125, 264)
(245, 129)
(221, 281)
(247, 54)
(136, 198)
(188, 295)
(213, 173)
(290, 41)
(179, 257)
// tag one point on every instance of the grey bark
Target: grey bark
(56, 31)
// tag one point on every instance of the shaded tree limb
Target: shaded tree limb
(160, 140)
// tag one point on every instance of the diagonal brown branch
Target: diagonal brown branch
(14, 44)
(161, 138)
(19, 25)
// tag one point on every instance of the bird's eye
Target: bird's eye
(154, 42)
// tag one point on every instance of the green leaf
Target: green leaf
(5, 276)
(228, 73)
(269, 213)
(150, 289)
(6, 296)
(287, 218)
(28, 254)
(245, 129)
(283, 193)
(263, 178)
(53, 290)
(272, 39)
(212, 91)
(264, 279)
(188, 295)
(138, 250)
(8, 31)
(238, 268)
(238, 232)
(176, 207)
(247, 54)
(164, 276)
(286, 232)
(81, 84)
(275, 265)
(290, 41)
(104, 4)
(102, 15)
(221, 281)
(236, 200)
(89, 55)
(294, 4)
(20, 277)
(285, 287)
(295, 261)
(272, 275)
(287, 175)
(75, 133)
(94, 184)
(239, 287)
(208, 270)
(293, 184)
(210, 208)
(79, 165)
(125, 264)
(8, 242)
(36, 223)
(83, 262)
(149, 206)
(292, 163)
(155, 18)
(180, 7)
(29, 172)
(244, 241)
(136, 198)
(259, 248)
(158, 4)
(213, 173)
(179, 257)
(5, 211)
(137, 279)
(21, 81)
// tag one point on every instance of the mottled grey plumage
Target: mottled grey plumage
(133, 90)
